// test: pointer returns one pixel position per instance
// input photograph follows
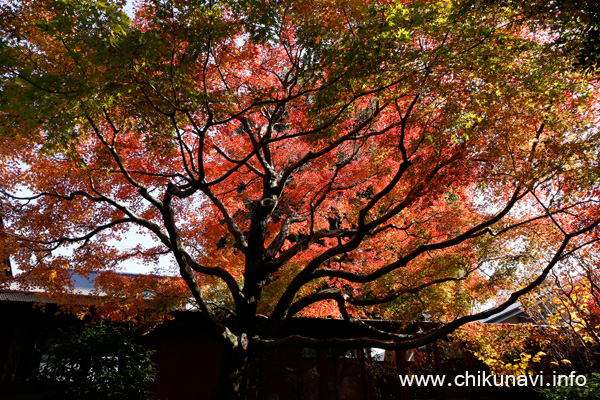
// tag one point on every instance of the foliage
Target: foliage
(102, 361)
(141, 300)
(590, 391)
(568, 305)
(349, 159)
(575, 22)
(507, 349)
(562, 338)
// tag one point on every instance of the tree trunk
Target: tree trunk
(233, 374)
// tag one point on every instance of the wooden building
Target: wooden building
(188, 357)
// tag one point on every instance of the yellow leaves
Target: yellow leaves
(525, 357)
(52, 275)
(522, 366)
(564, 361)
(538, 356)
(81, 314)
(508, 350)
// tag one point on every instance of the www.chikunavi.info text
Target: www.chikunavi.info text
(483, 379)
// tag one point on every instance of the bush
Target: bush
(591, 391)
(101, 362)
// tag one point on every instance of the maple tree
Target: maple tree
(567, 307)
(347, 159)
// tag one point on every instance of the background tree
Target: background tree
(327, 158)
(568, 307)
(562, 335)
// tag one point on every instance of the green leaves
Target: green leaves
(102, 361)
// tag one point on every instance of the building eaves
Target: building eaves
(23, 298)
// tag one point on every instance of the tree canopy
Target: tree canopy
(406, 160)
